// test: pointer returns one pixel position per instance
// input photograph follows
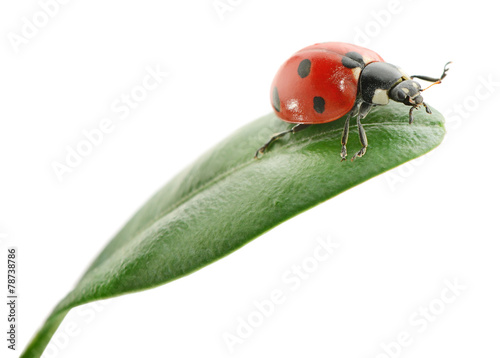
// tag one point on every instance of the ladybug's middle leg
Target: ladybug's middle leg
(294, 129)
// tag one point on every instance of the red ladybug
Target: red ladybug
(325, 81)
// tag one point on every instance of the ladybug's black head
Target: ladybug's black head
(407, 92)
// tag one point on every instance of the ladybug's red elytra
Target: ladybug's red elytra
(325, 81)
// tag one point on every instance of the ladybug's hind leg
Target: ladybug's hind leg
(294, 129)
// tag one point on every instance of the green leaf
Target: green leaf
(227, 198)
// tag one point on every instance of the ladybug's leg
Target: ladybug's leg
(294, 129)
(432, 79)
(345, 136)
(363, 111)
(427, 109)
(362, 139)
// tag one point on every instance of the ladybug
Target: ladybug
(323, 82)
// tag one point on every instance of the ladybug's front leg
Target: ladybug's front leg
(432, 79)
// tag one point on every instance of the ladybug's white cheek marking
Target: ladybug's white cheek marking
(380, 97)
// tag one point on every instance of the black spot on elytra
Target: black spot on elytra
(353, 59)
(319, 104)
(276, 100)
(304, 68)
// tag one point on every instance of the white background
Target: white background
(401, 235)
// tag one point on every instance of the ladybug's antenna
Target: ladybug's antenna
(435, 83)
